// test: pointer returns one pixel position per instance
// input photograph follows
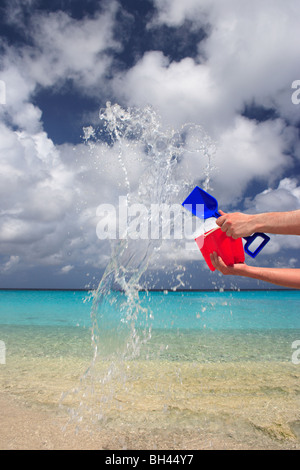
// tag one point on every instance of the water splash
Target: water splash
(121, 324)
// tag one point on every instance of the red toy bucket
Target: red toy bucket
(230, 250)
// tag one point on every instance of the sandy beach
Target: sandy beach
(161, 406)
(26, 428)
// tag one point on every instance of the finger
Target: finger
(224, 225)
(222, 213)
(220, 220)
(217, 261)
(220, 263)
(212, 259)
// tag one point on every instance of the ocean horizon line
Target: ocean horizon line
(144, 290)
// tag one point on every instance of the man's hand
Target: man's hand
(235, 269)
(286, 277)
(236, 224)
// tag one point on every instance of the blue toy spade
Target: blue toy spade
(203, 205)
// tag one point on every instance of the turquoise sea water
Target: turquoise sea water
(212, 310)
(205, 326)
(211, 365)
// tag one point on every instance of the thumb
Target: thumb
(218, 221)
(222, 213)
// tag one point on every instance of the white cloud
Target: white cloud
(249, 151)
(49, 194)
(286, 197)
(182, 91)
(250, 56)
(73, 49)
(66, 269)
(15, 10)
(63, 48)
(250, 51)
(36, 195)
(10, 264)
(174, 12)
(45, 192)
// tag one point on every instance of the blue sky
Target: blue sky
(226, 66)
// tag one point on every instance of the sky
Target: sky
(227, 66)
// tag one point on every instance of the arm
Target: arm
(281, 277)
(238, 225)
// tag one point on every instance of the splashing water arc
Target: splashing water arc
(121, 322)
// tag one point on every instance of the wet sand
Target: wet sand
(27, 428)
(191, 391)
(157, 405)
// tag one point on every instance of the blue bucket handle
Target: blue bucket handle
(251, 239)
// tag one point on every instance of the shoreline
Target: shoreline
(34, 427)
(158, 405)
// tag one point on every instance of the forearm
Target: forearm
(238, 225)
(279, 276)
(283, 223)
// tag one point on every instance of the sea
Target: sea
(193, 365)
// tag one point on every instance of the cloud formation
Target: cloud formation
(247, 61)
(249, 58)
